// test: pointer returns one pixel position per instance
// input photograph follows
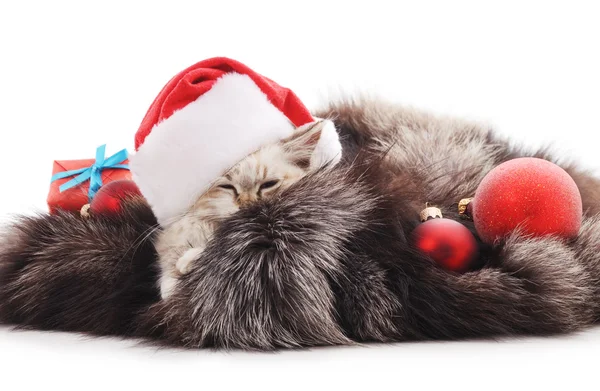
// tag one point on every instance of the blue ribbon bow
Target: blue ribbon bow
(94, 172)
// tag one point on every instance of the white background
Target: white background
(76, 75)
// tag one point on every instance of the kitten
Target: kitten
(263, 174)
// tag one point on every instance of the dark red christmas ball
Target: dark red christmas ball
(109, 199)
(447, 242)
(532, 195)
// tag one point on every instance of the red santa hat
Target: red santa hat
(206, 119)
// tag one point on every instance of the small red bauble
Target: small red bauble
(532, 195)
(109, 198)
(447, 242)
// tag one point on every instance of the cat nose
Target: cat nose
(245, 199)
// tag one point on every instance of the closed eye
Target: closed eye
(227, 187)
(269, 184)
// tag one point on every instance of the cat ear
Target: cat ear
(314, 145)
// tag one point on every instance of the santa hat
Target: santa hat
(206, 119)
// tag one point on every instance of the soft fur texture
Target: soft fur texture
(327, 262)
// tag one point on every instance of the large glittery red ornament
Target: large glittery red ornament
(109, 199)
(447, 242)
(532, 195)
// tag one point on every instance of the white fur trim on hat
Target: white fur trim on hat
(328, 149)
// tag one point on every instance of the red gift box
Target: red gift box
(75, 198)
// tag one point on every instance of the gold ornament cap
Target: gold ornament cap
(85, 211)
(431, 212)
(463, 208)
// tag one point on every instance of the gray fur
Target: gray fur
(327, 262)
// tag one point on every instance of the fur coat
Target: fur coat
(328, 262)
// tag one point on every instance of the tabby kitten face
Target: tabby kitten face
(263, 174)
